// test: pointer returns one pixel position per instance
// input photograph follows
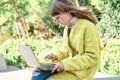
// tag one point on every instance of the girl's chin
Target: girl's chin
(62, 24)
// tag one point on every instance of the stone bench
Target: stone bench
(3, 66)
(14, 73)
(103, 76)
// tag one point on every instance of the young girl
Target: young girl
(79, 56)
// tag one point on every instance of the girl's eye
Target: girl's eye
(57, 18)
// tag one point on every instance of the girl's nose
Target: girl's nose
(58, 21)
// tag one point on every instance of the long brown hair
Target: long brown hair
(61, 6)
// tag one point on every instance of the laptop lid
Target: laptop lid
(32, 60)
(29, 56)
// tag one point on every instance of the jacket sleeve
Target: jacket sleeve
(63, 51)
(91, 54)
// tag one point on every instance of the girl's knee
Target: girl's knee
(35, 74)
(38, 74)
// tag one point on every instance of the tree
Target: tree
(82, 4)
(21, 24)
(14, 12)
(109, 24)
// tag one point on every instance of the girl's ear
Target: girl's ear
(70, 14)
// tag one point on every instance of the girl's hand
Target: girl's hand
(58, 67)
(51, 57)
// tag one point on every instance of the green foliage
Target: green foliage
(109, 24)
(10, 11)
(39, 47)
(49, 21)
(31, 12)
(83, 2)
(110, 56)
(110, 60)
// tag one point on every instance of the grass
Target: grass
(96, 3)
(5, 37)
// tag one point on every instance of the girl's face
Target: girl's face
(63, 18)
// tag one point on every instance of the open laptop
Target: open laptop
(32, 60)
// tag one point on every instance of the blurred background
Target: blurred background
(27, 22)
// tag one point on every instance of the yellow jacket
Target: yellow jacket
(80, 53)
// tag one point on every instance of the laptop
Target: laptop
(32, 60)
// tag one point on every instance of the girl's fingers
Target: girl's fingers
(48, 56)
(58, 67)
(51, 56)
(54, 69)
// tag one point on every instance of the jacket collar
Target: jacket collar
(73, 21)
